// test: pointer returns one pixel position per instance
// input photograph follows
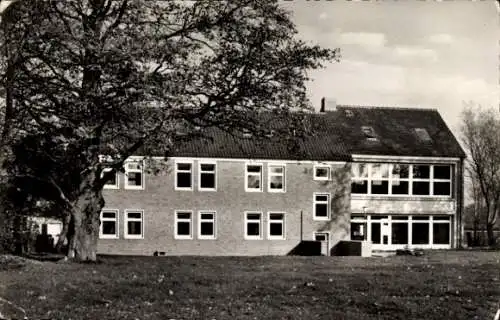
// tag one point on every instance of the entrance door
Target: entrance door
(385, 231)
(323, 237)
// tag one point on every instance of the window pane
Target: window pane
(442, 188)
(400, 171)
(380, 187)
(253, 168)
(422, 218)
(184, 166)
(421, 188)
(184, 228)
(207, 180)
(441, 233)
(321, 198)
(253, 216)
(276, 216)
(376, 233)
(109, 227)
(399, 218)
(379, 217)
(400, 233)
(207, 216)
(134, 178)
(322, 210)
(380, 170)
(253, 182)
(399, 187)
(276, 182)
(276, 229)
(422, 172)
(183, 180)
(207, 229)
(442, 218)
(277, 169)
(360, 187)
(183, 215)
(442, 172)
(420, 233)
(207, 167)
(359, 170)
(134, 215)
(321, 172)
(253, 229)
(109, 214)
(358, 230)
(134, 227)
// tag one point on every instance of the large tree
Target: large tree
(108, 77)
(480, 133)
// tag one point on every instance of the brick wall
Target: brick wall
(159, 200)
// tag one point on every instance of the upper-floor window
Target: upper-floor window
(253, 177)
(401, 179)
(112, 181)
(321, 206)
(276, 178)
(321, 172)
(207, 176)
(134, 175)
(184, 176)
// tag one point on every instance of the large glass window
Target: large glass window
(420, 231)
(441, 230)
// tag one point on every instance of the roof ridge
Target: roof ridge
(348, 106)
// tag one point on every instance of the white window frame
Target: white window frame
(410, 180)
(214, 172)
(271, 174)
(127, 219)
(213, 220)
(283, 226)
(116, 220)
(184, 171)
(190, 220)
(260, 236)
(328, 208)
(117, 179)
(323, 166)
(254, 174)
(141, 171)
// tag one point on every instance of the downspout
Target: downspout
(301, 222)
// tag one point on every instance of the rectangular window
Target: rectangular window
(109, 224)
(208, 177)
(360, 178)
(134, 175)
(276, 226)
(112, 181)
(276, 178)
(442, 180)
(134, 224)
(420, 232)
(399, 232)
(253, 223)
(358, 230)
(183, 176)
(206, 225)
(183, 225)
(400, 178)
(321, 206)
(441, 232)
(321, 172)
(253, 177)
(380, 179)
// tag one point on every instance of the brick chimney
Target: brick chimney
(328, 104)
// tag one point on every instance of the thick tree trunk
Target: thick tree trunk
(491, 235)
(83, 229)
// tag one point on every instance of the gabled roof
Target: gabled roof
(339, 135)
(395, 131)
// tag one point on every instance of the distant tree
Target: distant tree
(480, 134)
(97, 77)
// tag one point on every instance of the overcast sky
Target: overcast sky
(424, 54)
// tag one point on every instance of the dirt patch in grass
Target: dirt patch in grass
(439, 285)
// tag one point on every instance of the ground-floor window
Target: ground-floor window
(417, 230)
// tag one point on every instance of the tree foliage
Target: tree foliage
(480, 133)
(102, 76)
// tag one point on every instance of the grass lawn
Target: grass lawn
(438, 285)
